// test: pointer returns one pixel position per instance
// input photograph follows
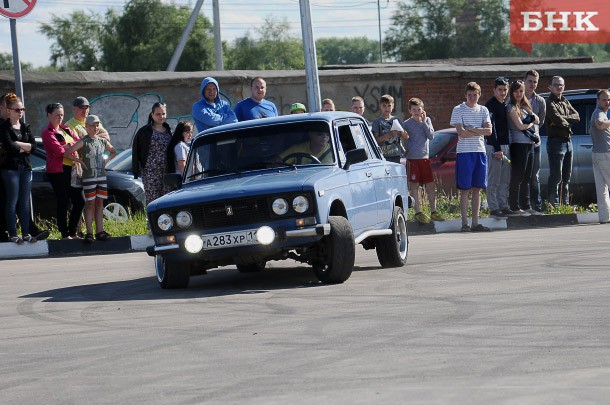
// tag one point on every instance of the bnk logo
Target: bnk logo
(554, 21)
(558, 21)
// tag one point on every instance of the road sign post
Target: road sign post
(13, 9)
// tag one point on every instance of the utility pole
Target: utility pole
(217, 39)
(184, 38)
(379, 24)
(311, 63)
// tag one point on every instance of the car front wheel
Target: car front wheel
(337, 253)
(392, 249)
(171, 275)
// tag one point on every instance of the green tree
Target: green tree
(6, 62)
(145, 36)
(440, 29)
(76, 41)
(347, 51)
(272, 49)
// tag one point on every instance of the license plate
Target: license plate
(229, 239)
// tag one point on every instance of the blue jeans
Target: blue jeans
(535, 197)
(560, 170)
(18, 186)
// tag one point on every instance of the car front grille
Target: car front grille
(229, 213)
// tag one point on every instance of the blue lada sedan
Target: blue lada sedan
(306, 187)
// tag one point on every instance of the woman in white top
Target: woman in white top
(178, 145)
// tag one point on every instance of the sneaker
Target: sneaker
(497, 214)
(465, 228)
(435, 216)
(422, 218)
(29, 238)
(480, 228)
(521, 213)
(507, 212)
(532, 211)
(42, 235)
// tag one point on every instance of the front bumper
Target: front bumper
(284, 239)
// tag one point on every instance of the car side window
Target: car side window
(364, 140)
(581, 128)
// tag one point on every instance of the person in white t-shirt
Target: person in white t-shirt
(179, 145)
(473, 123)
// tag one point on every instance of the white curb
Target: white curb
(588, 218)
(141, 242)
(10, 250)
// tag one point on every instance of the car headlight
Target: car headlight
(300, 204)
(280, 206)
(165, 222)
(184, 219)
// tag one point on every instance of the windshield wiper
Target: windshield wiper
(212, 171)
(266, 164)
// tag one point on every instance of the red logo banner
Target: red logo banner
(558, 22)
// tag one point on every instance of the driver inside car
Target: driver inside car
(318, 147)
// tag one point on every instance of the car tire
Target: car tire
(171, 275)
(392, 249)
(252, 267)
(338, 252)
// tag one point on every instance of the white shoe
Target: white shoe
(532, 211)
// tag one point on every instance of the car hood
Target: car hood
(248, 184)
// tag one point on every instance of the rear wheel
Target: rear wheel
(172, 275)
(392, 249)
(337, 252)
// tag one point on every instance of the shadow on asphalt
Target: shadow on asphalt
(218, 282)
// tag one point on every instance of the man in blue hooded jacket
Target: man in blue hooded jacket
(211, 111)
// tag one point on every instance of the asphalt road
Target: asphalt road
(509, 317)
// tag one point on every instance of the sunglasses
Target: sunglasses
(517, 82)
(501, 81)
(18, 110)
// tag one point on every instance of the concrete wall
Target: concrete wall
(123, 100)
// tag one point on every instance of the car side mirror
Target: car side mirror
(449, 157)
(173, 180)
(355, 156)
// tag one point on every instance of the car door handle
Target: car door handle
(387, 171)
(369, 174)
(586, 145)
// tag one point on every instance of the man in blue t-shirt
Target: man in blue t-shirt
(256, 106)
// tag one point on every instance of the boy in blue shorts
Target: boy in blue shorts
(472, 122)
(92, 148)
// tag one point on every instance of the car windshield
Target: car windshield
(121, 162)
(440, 142)
(262, 147)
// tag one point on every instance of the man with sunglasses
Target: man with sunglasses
(560, 116)
(81, 109)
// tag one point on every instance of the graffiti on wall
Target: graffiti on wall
(123, 114)
(372, 93)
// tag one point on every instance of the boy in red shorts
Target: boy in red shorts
(420, 130)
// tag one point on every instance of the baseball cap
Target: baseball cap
(296, 107)
(91, 119)
(80, 101)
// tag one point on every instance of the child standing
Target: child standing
(92, 148)
(386, 133)
(420, 129)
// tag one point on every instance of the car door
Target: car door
(362, 209)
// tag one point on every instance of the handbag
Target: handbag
(76, 179)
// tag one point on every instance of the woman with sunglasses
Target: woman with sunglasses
(56, 138)
(16, 169)
(151, 157)
(520, 119)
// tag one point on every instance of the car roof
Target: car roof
(328, 116)
(570, 94)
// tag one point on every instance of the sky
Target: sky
(331, 18)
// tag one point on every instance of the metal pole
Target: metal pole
(16, 63)
(185, 36)
(311, 62)
(217, 39)
(379, 23)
